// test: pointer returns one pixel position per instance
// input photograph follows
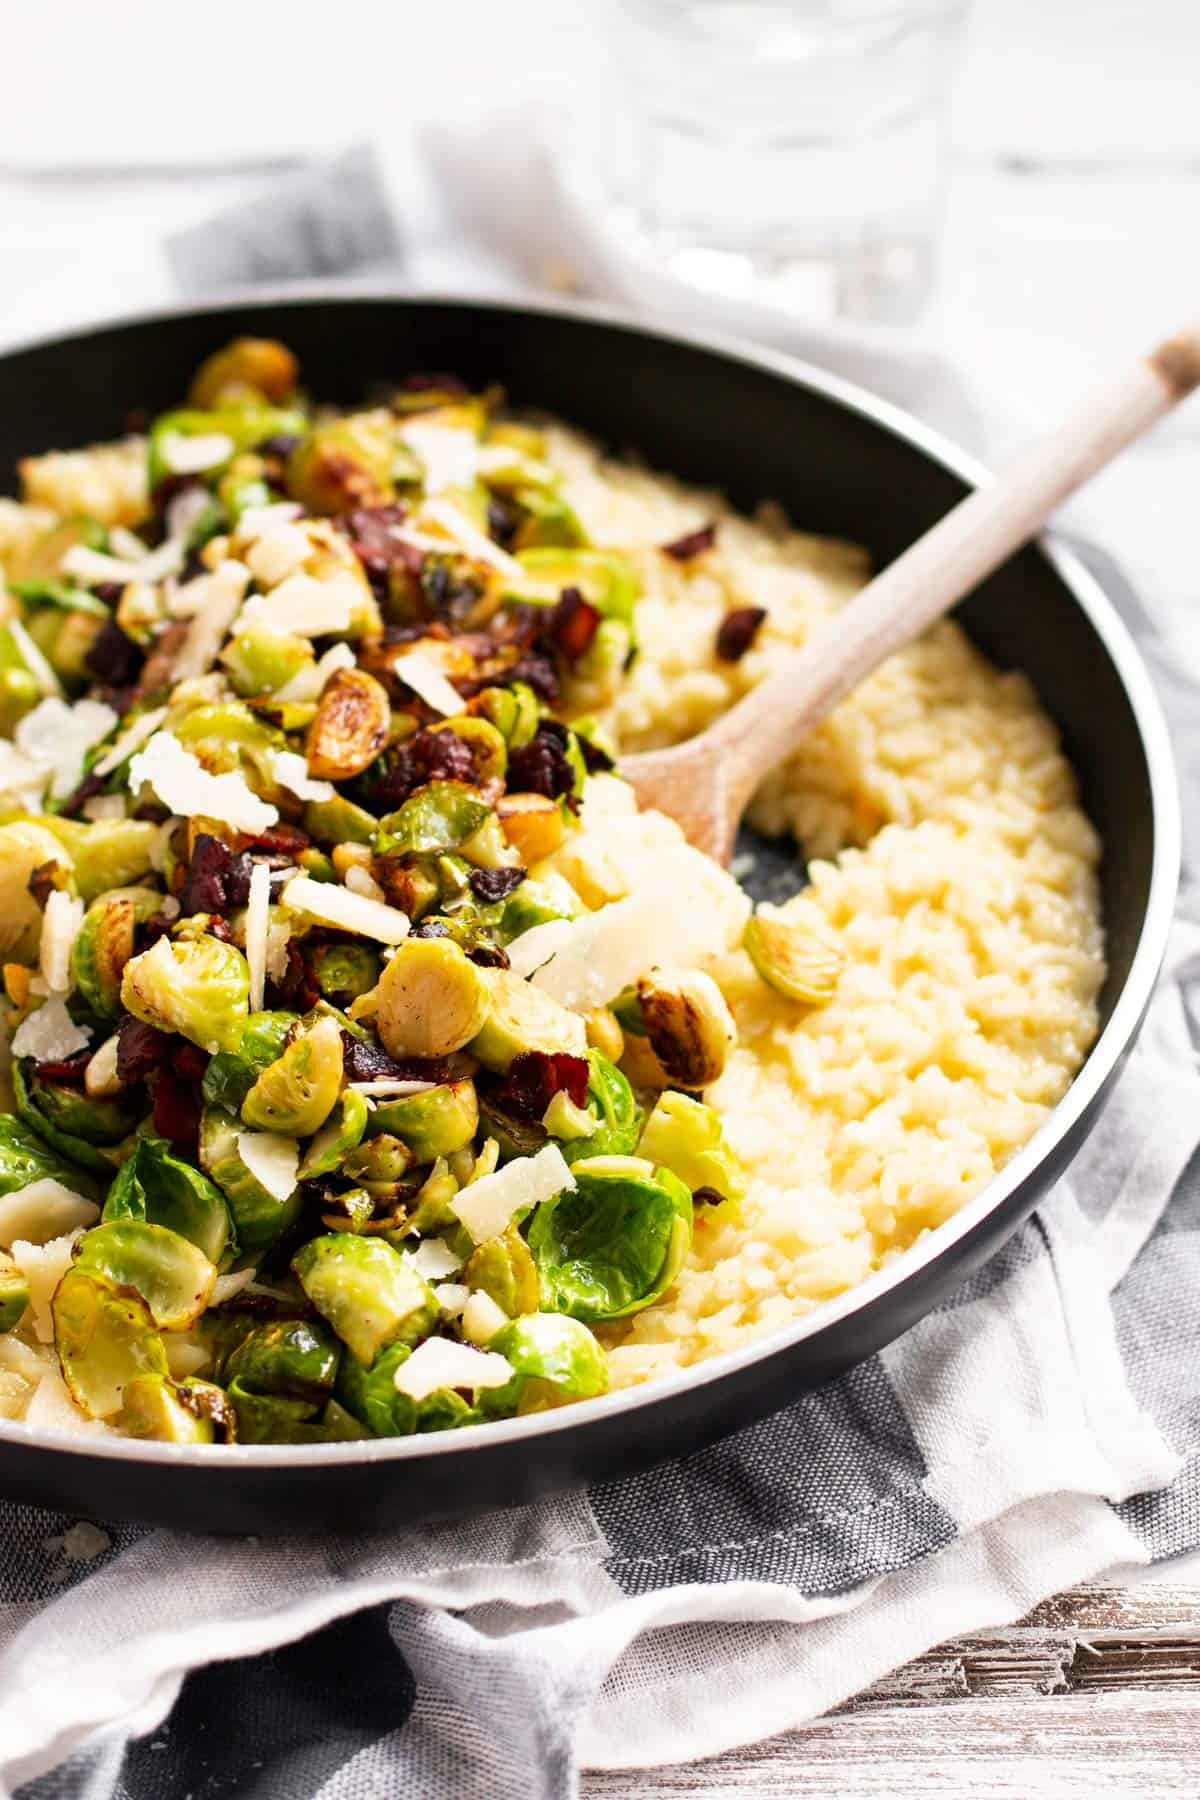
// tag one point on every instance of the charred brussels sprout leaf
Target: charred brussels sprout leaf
(432, 999)
(25, 1158)
(536, 903)
(515, 712)
(153, 1406)
(436, 1123)
(280, 1419)
(231, 428)
(342, 1132)
(105, 945)
(104, 1340)
(555, 1360)
(440, 816)
(350, 728)
(44, 1105)
(171, 1275)
(339, 821)
(617, 1115)
(605, 578)
(372, 1396)
(614, 1242)
(260, 660)
(791, 959)
(108, 853)
(156, 1186)
(296, 1093)
(259, 1217)
(685, 1136)
(344, 971)
(299, 1357)
(198, 987)
(232, 1073)
(344, 464)
(503, 1269)
(367, 1291)
(14, 1293)
(25, 846)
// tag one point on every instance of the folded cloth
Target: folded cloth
(1041, 1427)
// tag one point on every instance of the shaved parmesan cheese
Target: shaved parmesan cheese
(189, 790)
(33, 659)
(451, 1297)
(394, 1090)
(361, 881)
(272, 1159)
(291, 772)
(93, 567)
(129, 741)
(62, 920)
(441, 1363)
(210, 624)
(22, 777)
(104, 806)
(306, 607)
(185, 1358)
(128, 544)
(50, 1034)
(59, 736)
(41, 1211)
(257, 520)
(277, 554)
(227, 1287)
(184, 511)
(469, 538)
(309, 684)
(52, 1409)
(191, 455)
(209, 589)
(351, 912)
(448, 454)
(258, 919)
(604, 951)
(486, 1206)
(482, 1318)
(279, 935)
(43, 1266)
(537, 945)
(433, 1259)
(426, 679)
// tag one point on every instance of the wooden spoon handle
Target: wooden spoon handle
(943, 565)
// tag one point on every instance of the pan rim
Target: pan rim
(1099, 1066)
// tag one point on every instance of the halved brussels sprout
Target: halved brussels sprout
(440, 816)
(105, 944)
(51, 1109)
(791, 958)
(163, 1189)
(372, 1396)
(522, 1017)
(172, 1276)
(548, 521)
(20, 689)
(350, 1210)
(280, 1419)
(25, 846)
(65, 636)
(436, 1123)
(344, 971)
(230, 735)
(339, 821)
(345, 463)
(370, 1295)
(350, 728)
(232, 1073)
(199, 987)
(536, 903)
(104, 1341)
(260, 660)
(243, 425)
(26, 1157)
(154, 1406)
(613, 1243)
(614, 1109)
(432, 999)
(569, 1123)
(248, 369)
(258, 1216)
(342, 1133)
(605, 578)
(379, 1166)
(690, 1027)
(297, 1092)
(14, 1293)
(430, 1207)
(555, 1360)
(503, 1268)
(685, 1136)
(107, 853)
(286, 1356)
(489, 751)
(604, 1033)
(515, 712)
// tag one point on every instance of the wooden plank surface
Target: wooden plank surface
(1096, 1692)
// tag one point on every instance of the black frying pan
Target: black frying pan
(841, 463)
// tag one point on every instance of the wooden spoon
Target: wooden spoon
(707, 782)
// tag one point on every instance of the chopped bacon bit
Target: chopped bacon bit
(738, 630)
(372, 534)
(502, 521)
(41, 883)
(87, 789)
(297, 989)
(490, 885)
(706, 1196)
(489, 955)
(541, 766)
(364, 1060)
(141, 1049)
(70, 1072)
(692, 543)
(150, 930)
(430, 928)
(188, 1060)
(217, 877)
(281, 840)
(533, 1079)
(112, 657)
(595, 758)
(429, 756)
(177, 1107)
(280, 444)
(572, 624)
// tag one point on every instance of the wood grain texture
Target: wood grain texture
(1096, 1692)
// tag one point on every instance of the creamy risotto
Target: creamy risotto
(366, 1247)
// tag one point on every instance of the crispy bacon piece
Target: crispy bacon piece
(428, 756)
(368, 1061)
(141, 1049)
(533, 1079)
(738, 630)
(692, 543)
(217, 877)
(70, 1072)
(541, 766)
(177, 1107)
(572, 624)
(112, 657)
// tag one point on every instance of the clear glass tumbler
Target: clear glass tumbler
(792, 150)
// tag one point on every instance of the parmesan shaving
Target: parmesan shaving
(256, 521)
(278, 554)
(104, 806)
(272, 1159)
(279, 936)
(603, 952)
(442, 1363)
(334, 905)
(210, 588)
(426, 679)
(469, 538)
(43, 1210)
(184, 511)
(487, 1206)
(448, 454)
(482, 1318)
(434, 1259)
(59, 736)
(192, 455)
(94, 567)
(306, 607)
(22, 777)
(62, 920)
(189, 790)
(309, 684)
(291, 772)
(258, 920)
(209, 627)
(50, 1034)
(361, 881)
(451, 1297)
(138, 733)
(43, 1266)
(33, 659)
(392, 1089)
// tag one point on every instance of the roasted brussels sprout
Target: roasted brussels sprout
(440, 816)
(436, 1123)
(614, 1242)
(198, 987)
(106, 854)
(791, 958)
(432, 999)
(162, 1189)
(615, 1114)
(105, 944)
(25, 846)
(605, 578)
(296, 1093)
(232, 1073)
(522, 1018)
(379, 1166)
(604, 1033)
(56, 1112)
(260, 660)
(555, 1360)
(172, 1276)
(14, 1293)
(690, 1027)
(280, 1419)
(350, 728)
(286, 1356)
(371, 1395)
(25, 1157)
(515, 712)
(685, 1136)
(259, 1217)
(104, 1340)
(339, 821)
(536, 903)
(154, 1406)
(532, 824)
(226, 431)
(342, 1132)
(344, 971)
(20, 689)
(367, 1291)
(345, 463)
(248, 369)
(503, 1268)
